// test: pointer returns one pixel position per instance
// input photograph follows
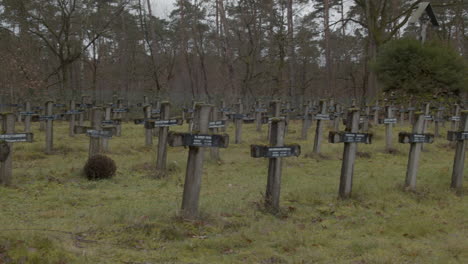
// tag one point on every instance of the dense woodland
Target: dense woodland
(206, 49)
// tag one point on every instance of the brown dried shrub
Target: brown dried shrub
(99, 167)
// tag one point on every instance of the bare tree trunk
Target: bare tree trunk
(372, 89)
(292, 53)
(326, 16)
(227, 52)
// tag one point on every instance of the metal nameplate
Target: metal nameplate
(217, 124)
(260, 151)
(17, 137)
(99, 133)
(322, 117)
(28, 113)
(200, 140)
(49, 117)
(404, 137)
(457, 135)
(74, 112)
(120, 110)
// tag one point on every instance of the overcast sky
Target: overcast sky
(162, 8)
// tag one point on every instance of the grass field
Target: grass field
(52, 214)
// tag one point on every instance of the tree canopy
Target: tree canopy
(408, 67)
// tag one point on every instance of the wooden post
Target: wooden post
(275, 111)
(27, 118)
(365, 125)
(402, 115)
(157, 106)
(272, 194)
(455, 119)
(305, 122)
(337, 119)
(214, 152)
(107, 117)
(258, 115)
(312, 110)
(193, 117)
(161, 160)
(71, 130)
(331, 111)
(427, 112)
(6, 165)
(415, 153)
(81, 117)
(319, 128)
(388, 128)
(238, 123)
(287, 116)
(95, 145)
(118, 116)
(411, 110)
(49, 133)
(17, 109)
(349, 155)
(459, 161)
(86, 114)
(437, 121)
(224, 116)
(148, 130)
(42, 123)
(376, 113)
(194, 170)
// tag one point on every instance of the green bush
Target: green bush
(406, 66)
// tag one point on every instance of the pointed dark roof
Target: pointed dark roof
(424, 7)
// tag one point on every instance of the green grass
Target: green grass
(52, 214)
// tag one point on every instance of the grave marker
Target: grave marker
(148, 130)
(161, 159)
(287, 115)
(376, 109)
(107, 122)
(389, 122)
(350, 138)
(72, 112)
(238, 121)
(275, 152)
(411, 111)
(27, 117)
(365, 123)
(275, 111)
(224, 115)
(258, 115)
(461, 139)
(437, 121)
(213, 126)
(118, 116)
(96, 132)
(320, 117)
(427, 118)
(305, 122)
(49, 133)
(455, 118)
(416, 139)
(6, 146)
(402, 112)
(196, 143)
